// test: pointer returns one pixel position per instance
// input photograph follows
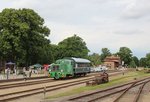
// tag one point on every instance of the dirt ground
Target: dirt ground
(129, 97)
(145, 97)
(40, 97)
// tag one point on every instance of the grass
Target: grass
(114, 80)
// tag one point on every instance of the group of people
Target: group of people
(9, 71)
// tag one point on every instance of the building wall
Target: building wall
(110, 65)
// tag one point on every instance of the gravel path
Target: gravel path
(145, 97)
(39, 97)
(16, 89)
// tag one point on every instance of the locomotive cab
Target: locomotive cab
(61, 69)
(54, 71)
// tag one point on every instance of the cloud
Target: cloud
(137, 9)
(101, 23)
(129, 31)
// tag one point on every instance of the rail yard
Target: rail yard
(119, 93)
(135, 90)
(16, 91)
(74, 51)
(72, 73)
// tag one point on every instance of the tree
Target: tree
(143, 62)
(132, 64)
(148, 59)
(95, 59)
(125, 54)
(105, 53)
(136, 60)
(22, 35)
(55, 52)
(45, 55)
(73, 47)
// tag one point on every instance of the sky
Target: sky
(100, 23)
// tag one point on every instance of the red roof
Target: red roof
(112, 59)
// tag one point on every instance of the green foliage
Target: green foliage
(55, 52)
(22, 36)
(95, 59)
(148, 59)
(105, 53)
(132, 64)
(45, 55)
(73, 47)
(143, 62)
(136, 60)
(125, 54)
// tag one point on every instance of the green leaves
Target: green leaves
(73, 47)
(143, 62)
(105, 53)
(22, 35)
(95, 59)
(125, 54)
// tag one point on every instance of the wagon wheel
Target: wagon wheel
(84, 74)
(74, 75)
(106, 79)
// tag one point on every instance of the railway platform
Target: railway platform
(13, 77)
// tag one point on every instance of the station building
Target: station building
(112, 62)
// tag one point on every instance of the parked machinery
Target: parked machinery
(66, 67)
(102, 78)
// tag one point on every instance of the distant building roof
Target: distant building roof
(112, 59)
(79, 60)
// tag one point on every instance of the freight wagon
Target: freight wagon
(66, 67)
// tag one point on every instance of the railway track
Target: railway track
(40, 77)
(20, 84)
(25, 83)
(121, 90)
(136, 96)
(20, 94)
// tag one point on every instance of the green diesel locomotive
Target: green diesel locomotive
(66, 67)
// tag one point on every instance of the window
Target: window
(83, 65)
(55, 68)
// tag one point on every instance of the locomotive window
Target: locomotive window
(55, 68)
(67, 62)
(83, 65)
(72, 63)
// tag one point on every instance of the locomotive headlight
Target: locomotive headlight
(61, 70)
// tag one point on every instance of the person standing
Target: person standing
(24, 73)
(7, 73)
(30, 72)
